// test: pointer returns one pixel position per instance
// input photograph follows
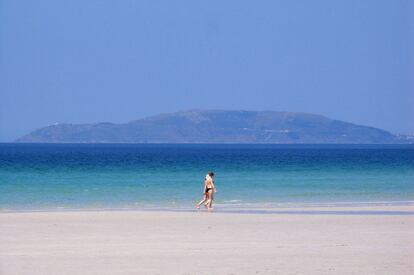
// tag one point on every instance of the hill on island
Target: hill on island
(216, 126)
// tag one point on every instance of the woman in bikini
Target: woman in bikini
(209, 189)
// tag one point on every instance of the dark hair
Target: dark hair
(211, 173)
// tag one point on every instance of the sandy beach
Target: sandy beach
(162, 242)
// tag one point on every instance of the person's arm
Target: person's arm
(214, 187)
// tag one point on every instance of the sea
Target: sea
(170, 176)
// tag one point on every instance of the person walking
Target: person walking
(209, 190)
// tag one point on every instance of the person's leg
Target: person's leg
(202, 201)
(210, 200)
(207, 203)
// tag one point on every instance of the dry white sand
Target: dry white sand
(138, 242)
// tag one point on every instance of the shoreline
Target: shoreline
(338, 208)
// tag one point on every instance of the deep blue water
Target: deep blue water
(45, 176)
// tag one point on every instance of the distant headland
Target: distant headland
(219, 126)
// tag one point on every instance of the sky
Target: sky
(115, 61)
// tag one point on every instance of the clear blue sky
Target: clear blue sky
(84, 61)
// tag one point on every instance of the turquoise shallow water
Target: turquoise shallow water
(55, 176)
